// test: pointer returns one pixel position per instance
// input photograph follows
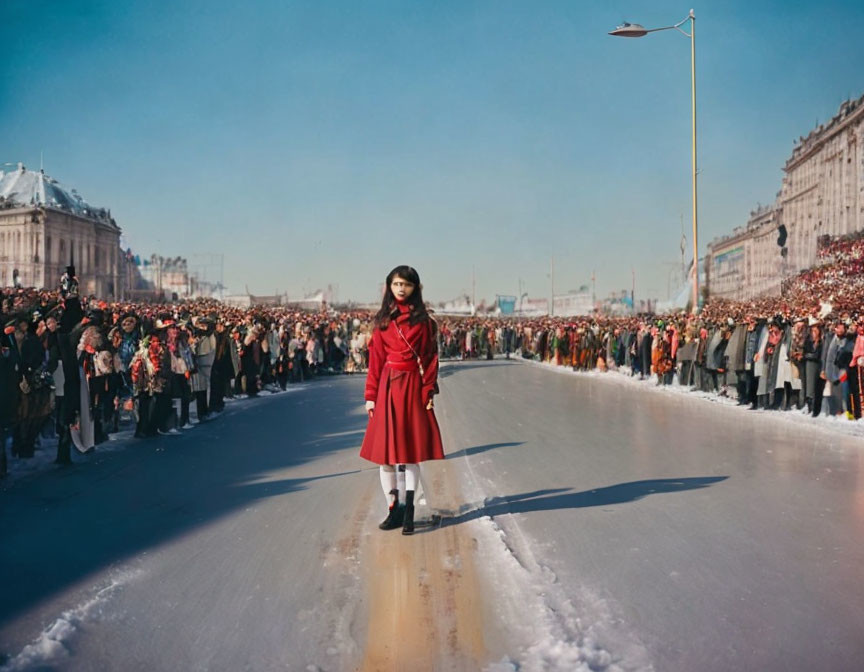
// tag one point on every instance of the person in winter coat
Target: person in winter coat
(400, 387)
(796, 388)
(34, 404)
(831, 371)
(69, 333)
(223, 368)
(814, 383)
(9, 392)
(854, 369)
(753, 341)
(203, 344)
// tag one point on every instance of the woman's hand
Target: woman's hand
(370, 407)
(430, 404)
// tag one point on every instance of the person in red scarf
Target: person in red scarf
(400, 386)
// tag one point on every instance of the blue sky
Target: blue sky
(326, 142)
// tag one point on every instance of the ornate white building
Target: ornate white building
(43, 226)
(822, 194)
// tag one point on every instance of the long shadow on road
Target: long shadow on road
(474, 450)
(562, 498)
(60, 527)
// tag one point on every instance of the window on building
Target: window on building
(48, 256)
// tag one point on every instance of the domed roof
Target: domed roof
(28, 187)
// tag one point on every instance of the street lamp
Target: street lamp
(636, 30)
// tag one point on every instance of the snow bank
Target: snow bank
(51, 647)
(839, 424)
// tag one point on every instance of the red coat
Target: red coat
(402, 430)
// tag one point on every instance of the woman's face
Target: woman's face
(401, 288)
(128, 325)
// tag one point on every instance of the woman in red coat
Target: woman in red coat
(400, 385)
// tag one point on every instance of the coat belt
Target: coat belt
(403, 365)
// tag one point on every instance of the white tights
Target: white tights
(389, 480)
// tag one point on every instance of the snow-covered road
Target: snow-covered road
(666, 530)
(590, 525)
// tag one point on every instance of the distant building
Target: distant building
(163, 277)
(43, 226)
(461, 305)
(822, 193)
(573, 303)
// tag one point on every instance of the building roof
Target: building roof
(24, 188)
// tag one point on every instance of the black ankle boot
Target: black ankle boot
(408, 522)
(396, 514)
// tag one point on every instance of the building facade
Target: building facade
(822, 193)
(43, 227)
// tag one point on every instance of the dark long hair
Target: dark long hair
(415, 301)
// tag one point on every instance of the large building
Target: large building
(822, 194)
(43, 226)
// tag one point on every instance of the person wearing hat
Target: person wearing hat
(35, 401)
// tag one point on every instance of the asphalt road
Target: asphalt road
(587, 523)
(222, 549)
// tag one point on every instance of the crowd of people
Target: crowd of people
(76, 368)
(837, 277)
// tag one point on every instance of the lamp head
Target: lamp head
(629, 30)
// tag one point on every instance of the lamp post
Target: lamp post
(635, 30)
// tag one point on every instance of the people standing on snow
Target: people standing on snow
(401, 384)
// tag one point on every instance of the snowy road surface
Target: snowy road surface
(589, 525)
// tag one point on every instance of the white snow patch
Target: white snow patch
(548, 631)
(839, 424)
(52, 645)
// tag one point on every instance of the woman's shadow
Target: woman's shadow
(563, 498)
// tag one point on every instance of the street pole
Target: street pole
(552, 278)
(520, 297)
(636, 30)
(695, 209)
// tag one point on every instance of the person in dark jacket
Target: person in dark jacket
(9, 392)
(751, 348)
(814, 384)
(68, 334)
(645, 354)
(35, 400)
(223, 368)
